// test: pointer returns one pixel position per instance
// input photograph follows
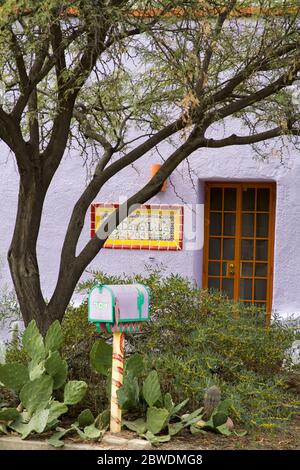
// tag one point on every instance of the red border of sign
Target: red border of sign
(140, 247)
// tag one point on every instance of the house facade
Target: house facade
(240, 224)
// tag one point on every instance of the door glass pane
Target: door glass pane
(263, 199)
(227, 287)
(248, 203)
(229, 199)
(215, 227)
(262, 250)
(214, 248)
(246, 289)
(229, 224)
(214, 268)
(262, 225)
(260, 289)
(252, 268)
(247, 249)
(216, 199)
(247, 225)
(213, 283)
(228, 248)
(261, 269)
(247, 269)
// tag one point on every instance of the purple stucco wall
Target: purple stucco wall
(229, 164)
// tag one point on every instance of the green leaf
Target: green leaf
(36, 368)
(175, 428)
(223, 429)
(53, 363)
(194, 430)
(61, 376)
(36, 394)
(91, 432)
(9, 414)
(74, 391)
(135, 365)
(13, 376)
(3, 428)
(193, 417)
(219, 419)
(25, 417)
(155, 440)
(156, 419)
(85, 418)
(57, 368)
(33, 342)
(168, 402)
(56, 410)
(179, 407)
(55, 439)
(101, 357)
(139, 425)
(37, 423)
(54, 337)
(78, 430)
(102, 420)
(128, 394)
(151, 389)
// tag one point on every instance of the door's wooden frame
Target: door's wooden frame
(240, 185)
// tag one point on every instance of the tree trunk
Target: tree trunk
(22, 255)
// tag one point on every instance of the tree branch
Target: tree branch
(60, 63)
(234, 139)
(91, 133)
(253, 66)
(282, 82)
(149, 190)
(40, 70)
(11, 134)
(20, 63)
(209, 51)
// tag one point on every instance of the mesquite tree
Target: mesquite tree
(120, 78)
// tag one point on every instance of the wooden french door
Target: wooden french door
(239, 241)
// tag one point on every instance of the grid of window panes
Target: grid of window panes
(238, 238)
(222, 238)
(254, 248)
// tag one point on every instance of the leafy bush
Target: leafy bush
(195, 339)
(157, 413)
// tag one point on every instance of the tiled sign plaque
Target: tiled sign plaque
(150, 227)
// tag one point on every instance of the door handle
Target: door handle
(230, 269)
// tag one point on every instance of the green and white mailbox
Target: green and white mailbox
(118, 309)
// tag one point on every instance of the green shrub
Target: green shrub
(195, 339)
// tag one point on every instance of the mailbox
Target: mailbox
(118, 307)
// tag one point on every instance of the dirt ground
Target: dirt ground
(285, 439)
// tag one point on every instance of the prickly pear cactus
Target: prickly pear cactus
(33, 342)
(13, 376)
(34, 383)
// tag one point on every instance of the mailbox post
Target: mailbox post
(118, 309)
